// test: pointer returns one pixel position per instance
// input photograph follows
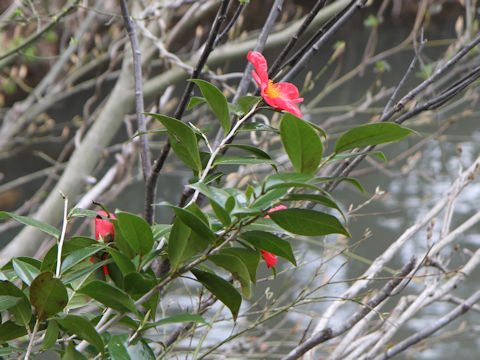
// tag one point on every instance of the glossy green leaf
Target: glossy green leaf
(9, 331)
(138, 285)
(371, 134)
(46, 228)
(80, 255)
(109, 296)
(72, 354)
(350, 180)
(247, 102)
(51, 335)
(237, 160)
(266, 200)
(302, 144)
(194, 101)
(236, 267)
(83, 271)
(263, 240)
(83, 329)
(25, 271)
(319, 199)
(8, 301)
(257, 152)
(193, 222)
(183, 141)
(177, 242)
(222, 215)
(308, 222)
(217, 102)
(120, 349)
(48, 295)
(174, 319)
(222, 289)
(250, 258)
(22, 309)
(75, 243)
(136, 231)
(125, 265)
(378, 154)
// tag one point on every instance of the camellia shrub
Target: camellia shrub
(118, 271)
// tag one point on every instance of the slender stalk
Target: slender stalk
(151, 181)
(220, 146)
(139, 106)
(62, 236)
(32, 340)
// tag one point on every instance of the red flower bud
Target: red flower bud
(269, 258)
(104, 229)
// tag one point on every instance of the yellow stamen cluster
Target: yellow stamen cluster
(273, 90)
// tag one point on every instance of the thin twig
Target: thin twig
(62, 236)
(158, 165)
(330, 333)
(139, 106)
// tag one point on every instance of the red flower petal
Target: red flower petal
(276, 208)
(289, 91)
(270, 259)
(286, 105)
(260, 65)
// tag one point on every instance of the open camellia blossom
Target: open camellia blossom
(105, 231)
(281, 96)
(271, 259)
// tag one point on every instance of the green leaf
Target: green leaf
(237, 160)
(83, 329)
(236, 267)
(266, 200)
(308, 222)
(350, 180)
(249, 257)
(109, 296)
(22, 309)
(269, 242)
(25, 271)
(174, 319)
(136, 231)
(319, 199)
(138, 285)
(9, 331)
(222, 289)
(302, 144)
(46, 228)
(83, 272)
(378, 154)
(183, 141)
(193, 221)
(48, 295)
(371, 134)
(222, 215)
(120, 349)
(78, 256)
(217, 102)
(8, 301)
(125, 265)
(72, 354)
(259, 153)
(247, 102)
(194, 101)
(51, 335)
(177, 242)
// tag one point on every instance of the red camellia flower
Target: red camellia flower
(271, 259)
(281, 96)
(105, 231)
